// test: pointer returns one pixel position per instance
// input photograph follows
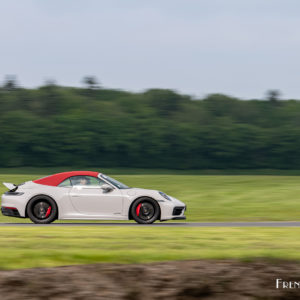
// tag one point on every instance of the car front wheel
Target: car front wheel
(42, 210)
(145, 210)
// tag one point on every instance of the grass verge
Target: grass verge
(53, 246)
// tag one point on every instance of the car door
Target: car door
(90, 199)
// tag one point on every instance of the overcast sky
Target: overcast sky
(237, 47)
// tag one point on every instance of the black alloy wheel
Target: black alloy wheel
(42, 210)
(145, 210)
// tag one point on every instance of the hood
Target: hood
(136, 192)
(141, 192)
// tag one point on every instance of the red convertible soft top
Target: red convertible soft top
(56, 179)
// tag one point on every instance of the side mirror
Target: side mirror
(106, 188)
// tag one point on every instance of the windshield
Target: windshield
(115, 182)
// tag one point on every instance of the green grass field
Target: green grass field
(215, 197)
(208, 197)
(55, 246)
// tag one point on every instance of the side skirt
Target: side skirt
(95, 218)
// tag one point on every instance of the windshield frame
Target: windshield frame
(114, 182)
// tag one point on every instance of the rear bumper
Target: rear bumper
(10, 200)
(10, 212)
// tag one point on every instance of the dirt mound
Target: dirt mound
(170, 280)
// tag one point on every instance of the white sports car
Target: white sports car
(85, 195)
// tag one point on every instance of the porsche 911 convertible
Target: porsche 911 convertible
(86, 195)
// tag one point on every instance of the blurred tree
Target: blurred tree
(50, 83)
(54, 125)
(50, 99)
(220, 104)
(165, 101)
(91, 82)
(10, 83)
(273, 95)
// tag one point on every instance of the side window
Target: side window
(65, 183)
(86, 181)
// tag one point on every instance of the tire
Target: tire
(42, 210)
(145, 210)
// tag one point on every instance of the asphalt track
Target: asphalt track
(165, 224)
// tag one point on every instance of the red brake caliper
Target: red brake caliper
(48, 212)
(138, 208)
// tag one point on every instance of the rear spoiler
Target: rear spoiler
(12, 187)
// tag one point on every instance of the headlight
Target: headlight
(165, 196)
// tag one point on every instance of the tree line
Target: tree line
(92, 126)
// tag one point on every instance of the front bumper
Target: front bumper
(172, 210)
(179, 210)
(179, 218)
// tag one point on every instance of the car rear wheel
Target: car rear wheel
(145, 210)
(42, 210)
